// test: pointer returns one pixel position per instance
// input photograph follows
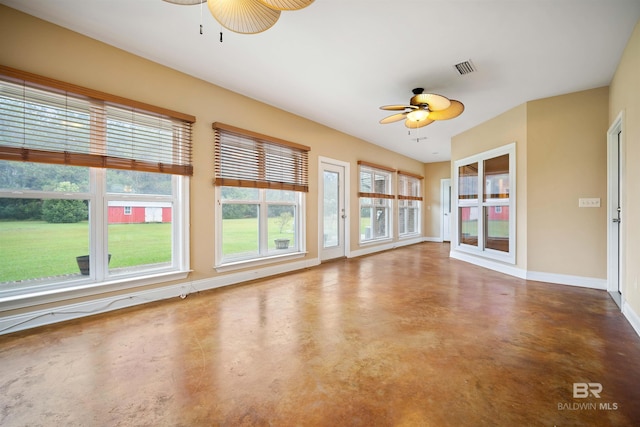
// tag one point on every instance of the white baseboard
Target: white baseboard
(42, 317)
(490, 264)
(632, 316)
(559, 279)
(564, 279)
(433, 239)
(367, 250)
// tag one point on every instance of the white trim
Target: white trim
(615, 258)
(537, 276)
(32, 319)
(346, 187)
(367, 250)
(443, 181)
(488, 263)
(565, 279)
(433, 239)
(479, 250)
(632, 316)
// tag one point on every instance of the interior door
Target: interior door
(333, 210)
(445, 203)
(614, 215)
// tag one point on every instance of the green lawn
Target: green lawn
(37, 249)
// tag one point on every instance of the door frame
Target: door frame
(443, 208)
(615, 232)
(346, 192)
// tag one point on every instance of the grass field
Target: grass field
(37, 249)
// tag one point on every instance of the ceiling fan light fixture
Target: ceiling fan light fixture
(418, 115)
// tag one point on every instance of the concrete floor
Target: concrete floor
(407, 337)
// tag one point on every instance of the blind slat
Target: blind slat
(247, 160)
(50, 125)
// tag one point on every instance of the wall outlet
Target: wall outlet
(593, 202)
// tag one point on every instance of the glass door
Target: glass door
(333, 211)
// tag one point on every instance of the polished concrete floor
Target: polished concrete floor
(406, 337)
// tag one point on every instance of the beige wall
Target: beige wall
(567, 160)
(42, 48)
(433, 173)
(560, 157)
(504, 129)
(625, 97)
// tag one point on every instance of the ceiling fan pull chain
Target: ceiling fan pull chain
(220, 36)
(200, 18)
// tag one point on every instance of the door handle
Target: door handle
(344, 216)
(617, 220)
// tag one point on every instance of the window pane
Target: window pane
(32, 247)
(331, 214)
(381, 183)
(240, 230)
(402, 220)
(497, 228)
(412, 220)
(469, 225)
(43, 177)
(240, 193)
(496, 177)
(365, 223)
(132, 182)
(281, 196)
(140, 239)
(281, 231)
(468, 181)
(380, 222)
(365, 182)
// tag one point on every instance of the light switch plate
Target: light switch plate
(593, 202)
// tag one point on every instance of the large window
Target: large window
(486, 204)
(409, 203)
(93, 193)
(376, 202)
(260, 186)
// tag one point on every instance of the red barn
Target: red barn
(139, 212)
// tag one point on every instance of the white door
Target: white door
(614, 214)
(445, 204)
(333, 209)
(152, 214)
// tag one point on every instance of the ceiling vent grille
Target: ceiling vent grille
(465, 67)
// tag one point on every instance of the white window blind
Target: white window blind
(248, 159)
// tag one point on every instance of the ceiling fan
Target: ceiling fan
(423, 109)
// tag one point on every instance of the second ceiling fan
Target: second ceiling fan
(423, 109)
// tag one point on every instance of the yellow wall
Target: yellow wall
(433, 173)
(504, 129)
(625, 97)
(49, 50)
(567, 160)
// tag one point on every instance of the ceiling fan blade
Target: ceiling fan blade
(286, 4)
(455, 109)
(397, 107)
(415, 125)
(393, 118)
(435, 102)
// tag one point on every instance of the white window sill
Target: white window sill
(46, 296)
(239, 265)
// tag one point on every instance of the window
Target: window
(260, 186)
(91, 192)
(486, 203)
(375, 202)
(409, 202)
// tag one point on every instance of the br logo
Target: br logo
(582, 390)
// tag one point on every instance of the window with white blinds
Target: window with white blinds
(48, 121)
(248, 159)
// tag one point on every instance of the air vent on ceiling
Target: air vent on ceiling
(465, 67)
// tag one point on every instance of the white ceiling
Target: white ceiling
(336, 61)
